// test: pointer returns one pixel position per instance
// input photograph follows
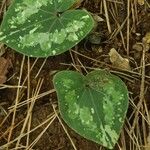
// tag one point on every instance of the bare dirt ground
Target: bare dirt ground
(29, 115)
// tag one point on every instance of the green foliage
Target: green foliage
(42, 28)
(94, 105)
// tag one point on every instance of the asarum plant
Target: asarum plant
(41, 28)
(94, 105)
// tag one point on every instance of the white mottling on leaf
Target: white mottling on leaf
(120, 119)
(108, 109)
(33, 30)
(13, 27)
(92, 110)
(67, 83)
(53, 52)
(103, 136)
(85, 17)
(26, 9)
(72, 37)
(87, 119)
(2, 38)
(112, 134)
(46, 40)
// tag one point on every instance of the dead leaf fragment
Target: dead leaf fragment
(97, 18)
(2, 49)
(146, 41)
(4, 65)
(138, 47)
(118, 61)
(147, 38)
(141, 2)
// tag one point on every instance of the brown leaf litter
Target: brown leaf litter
(5, 64)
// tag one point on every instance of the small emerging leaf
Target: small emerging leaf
(42, 28)
(94, 105)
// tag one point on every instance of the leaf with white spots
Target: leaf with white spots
(94, 106)
(42, 28)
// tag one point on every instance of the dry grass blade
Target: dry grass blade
(40, 135)
(107, 16)
(41, 67)
(29, 112)
(73, 145)
(27, 101)
(4, 86)
(128, 26)
(142, 88)
(51, 117)
(16, 102)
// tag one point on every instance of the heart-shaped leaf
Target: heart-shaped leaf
(42, 28)
(94, 105)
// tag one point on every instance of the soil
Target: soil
(91, 56)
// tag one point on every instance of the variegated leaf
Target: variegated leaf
(94, 106)
(42, 28)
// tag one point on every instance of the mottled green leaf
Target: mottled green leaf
(94, 106)
(42, 28)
